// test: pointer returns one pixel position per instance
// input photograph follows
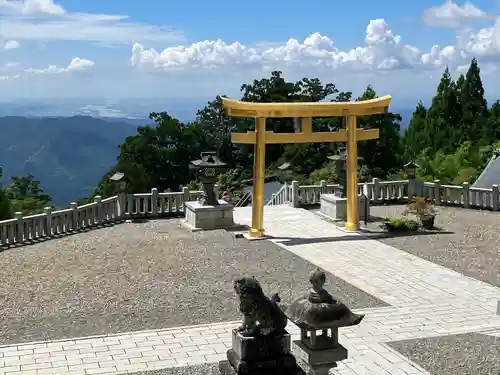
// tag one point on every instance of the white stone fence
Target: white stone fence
(24, 229)
(380, 192)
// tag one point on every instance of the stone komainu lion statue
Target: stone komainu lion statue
(261, 315)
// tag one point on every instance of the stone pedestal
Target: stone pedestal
(415, 188)
(320, 361)
(336, 207)
(199, 217)
(265, 355)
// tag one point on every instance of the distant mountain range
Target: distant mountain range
(67, 154)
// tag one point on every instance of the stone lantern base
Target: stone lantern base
(336, 207)
(199, 217)
(266, 355)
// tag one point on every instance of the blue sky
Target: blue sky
(198, 49)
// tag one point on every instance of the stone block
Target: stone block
(225, 368)
(260, 348)
(199, 217)
(336, 207)
(319, 358)
(260, 355)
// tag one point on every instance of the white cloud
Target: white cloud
(77, 64)
(44, 20)
(383, 50)
(11, 65)
(11, 44)
(30, 7)
(451, 15)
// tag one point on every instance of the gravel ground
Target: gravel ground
(465, 354)
(141, 276)
(468, 240)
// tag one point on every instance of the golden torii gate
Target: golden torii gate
(306, 111)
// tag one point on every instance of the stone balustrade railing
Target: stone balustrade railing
(24, 229)
(379, 192)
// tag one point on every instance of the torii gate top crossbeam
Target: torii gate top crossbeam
(237, 108)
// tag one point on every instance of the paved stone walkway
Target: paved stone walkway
(427, 300)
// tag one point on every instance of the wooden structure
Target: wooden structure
(306, 111)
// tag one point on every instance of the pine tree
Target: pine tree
(473, 106)
(443, 117)
(414, 136)
(381, 156)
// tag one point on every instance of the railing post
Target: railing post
(295, 193)
(74, 215)
(411, 189)
(19, 227)
(287, 200)
(466, 195)
(494, 197)
(322, 185)
(185, 194)
(185, 197)
(48, 221)
(98, 210)
(376, 189)
(154, 201)
(437, 192)
(216, 191)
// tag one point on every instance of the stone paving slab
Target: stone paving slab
(193, 345)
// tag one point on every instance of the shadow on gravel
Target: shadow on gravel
(366, 235)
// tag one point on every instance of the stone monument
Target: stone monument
(261, 345)
(210, 212)
(319, 311)
(335, 205)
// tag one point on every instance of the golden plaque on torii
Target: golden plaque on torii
(306, 111)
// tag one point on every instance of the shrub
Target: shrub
(420, 206)
(394, 224)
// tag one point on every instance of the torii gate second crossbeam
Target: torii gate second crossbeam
(306, 111)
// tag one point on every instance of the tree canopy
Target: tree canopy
(159, 156)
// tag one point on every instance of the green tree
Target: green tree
(26, 195)
(383, 155)
(5, 206)
(473, 125)
(414, 136)
(441, 131)
(157, 156)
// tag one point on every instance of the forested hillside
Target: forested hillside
(68, 155)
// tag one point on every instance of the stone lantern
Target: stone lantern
(340, 160)
(208, 167)
(119, 181)
(415, 186)
(120, 184)
(411, 169)
(287, 173)
(209, 212)
(317, 312)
